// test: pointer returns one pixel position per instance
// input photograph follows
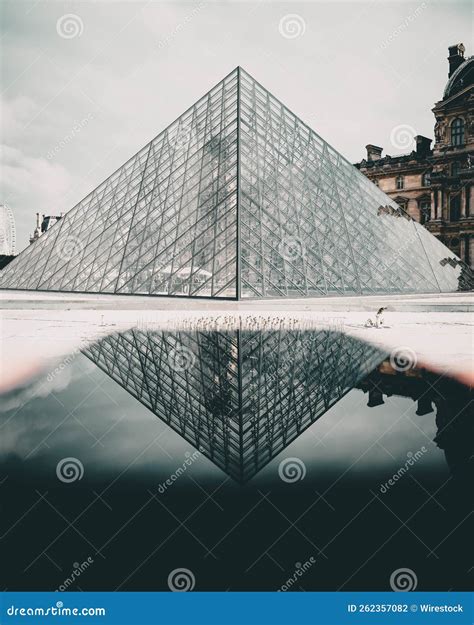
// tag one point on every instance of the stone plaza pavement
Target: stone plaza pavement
(39, 329)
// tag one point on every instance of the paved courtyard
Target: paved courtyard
(39, 329)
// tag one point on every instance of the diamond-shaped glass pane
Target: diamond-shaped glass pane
(239, 396)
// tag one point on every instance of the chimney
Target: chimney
(375, 397)
(37, 220)
(424, 405)
(374, 153)
(455, 58)
(423, 145)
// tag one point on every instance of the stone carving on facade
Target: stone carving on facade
(440, 130)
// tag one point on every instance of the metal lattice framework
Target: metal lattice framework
(239, 396)
(237, 198)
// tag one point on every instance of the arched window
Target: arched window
(426, 179)
(457, 132)
(399, 182)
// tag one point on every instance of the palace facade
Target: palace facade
(435, 184)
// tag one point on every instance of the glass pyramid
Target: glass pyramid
(238, 198)
(239, 396)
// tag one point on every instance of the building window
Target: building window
(455, 168)
(454, 207)
(425, 211)
(399, 182)
(426, 179)
(457, 132)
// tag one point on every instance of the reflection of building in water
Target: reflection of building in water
(451, 400)
(240, 396)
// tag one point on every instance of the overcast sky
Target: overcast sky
(81, 94)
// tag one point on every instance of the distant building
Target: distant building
(43, 224)
(435, 185)
(7, 231)
(7, 235)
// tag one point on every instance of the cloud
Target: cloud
(41, 387)
(31, 181)
(16, 113)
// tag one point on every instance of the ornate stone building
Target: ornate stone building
(435, 185)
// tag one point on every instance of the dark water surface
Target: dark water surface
(255, 460)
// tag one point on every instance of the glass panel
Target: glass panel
(165, 223)
(311, 224)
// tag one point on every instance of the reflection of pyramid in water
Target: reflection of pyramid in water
(240, 397)
(237, 198)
